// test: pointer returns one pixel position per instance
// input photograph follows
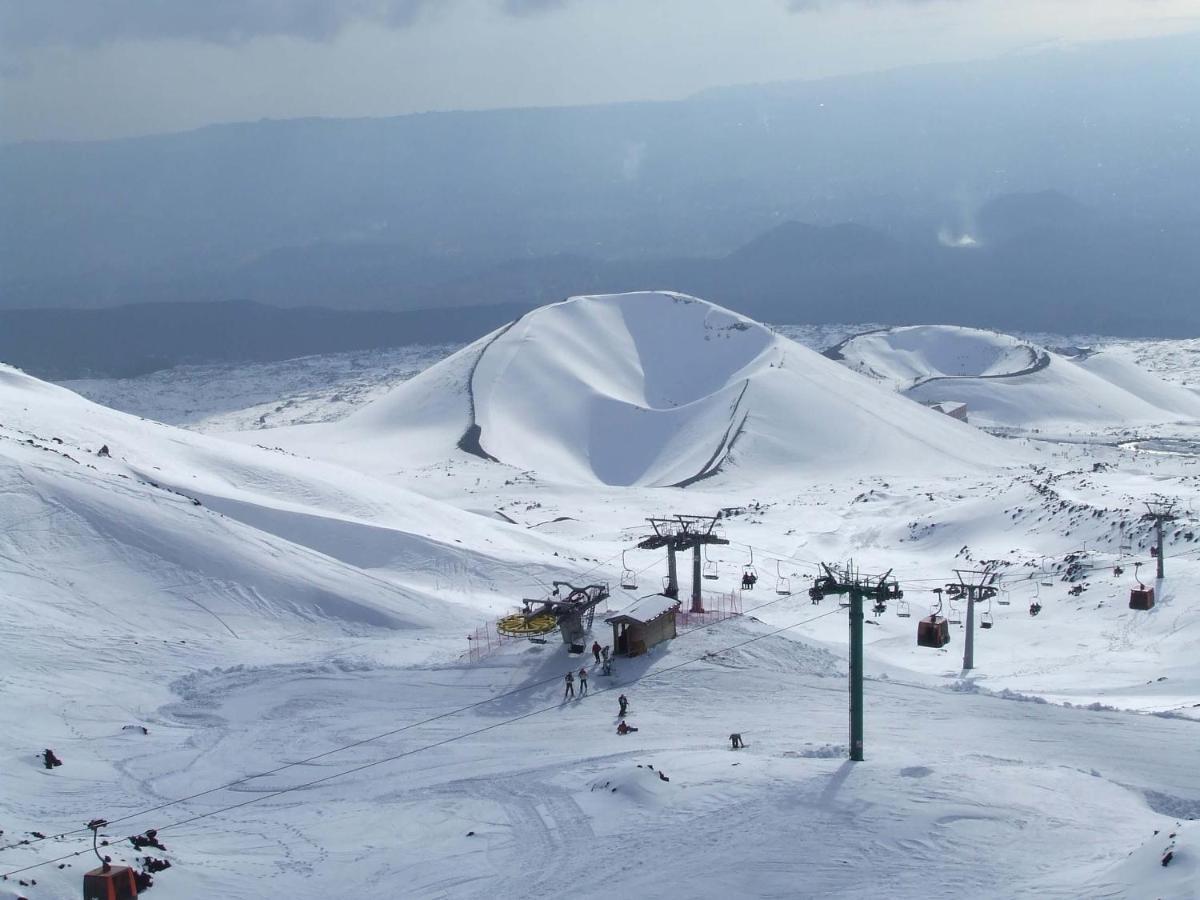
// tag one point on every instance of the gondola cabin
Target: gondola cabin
(117, 883)
(1141, 598)
(933, 631)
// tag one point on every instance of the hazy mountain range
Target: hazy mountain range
(1055, 190)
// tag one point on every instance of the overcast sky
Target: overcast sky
(106, 68)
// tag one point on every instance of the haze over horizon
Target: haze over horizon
(117, 69)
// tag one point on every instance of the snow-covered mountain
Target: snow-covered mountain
(651, 389)
(306, 602)
(1012, 383)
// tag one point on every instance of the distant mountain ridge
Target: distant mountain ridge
(531, 205)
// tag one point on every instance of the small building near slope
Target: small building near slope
(643, 624)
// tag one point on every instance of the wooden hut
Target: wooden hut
(646, 622)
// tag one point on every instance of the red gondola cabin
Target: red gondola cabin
(117, 883)
(933, 631)
(1141, 598)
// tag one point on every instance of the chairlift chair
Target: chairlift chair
(782, 585)
(749, 574)
(902, 610)
(955, 616)
(629, 580)
(710, 570)
(986, 620)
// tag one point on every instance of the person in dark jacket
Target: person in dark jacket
(624, 701)
(569, 690)
(596, 650)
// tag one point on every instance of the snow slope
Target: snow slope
(642, 389)
(264, 508)
(312, 615)
(1009, 383)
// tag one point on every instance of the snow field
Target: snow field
(319, 597)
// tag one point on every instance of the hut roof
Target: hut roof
(645, 609)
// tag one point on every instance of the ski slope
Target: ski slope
(307, 618)
(1010, 383)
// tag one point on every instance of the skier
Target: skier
(624, 728)
(569, 691)
(596, 650)
(624, 701)
(582, 682)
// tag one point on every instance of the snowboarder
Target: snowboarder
(624, 701)
(624, 728)
(736, 740)
(596, 650)
(569, 691)
(582, 682)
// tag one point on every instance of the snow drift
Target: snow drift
(656, 389)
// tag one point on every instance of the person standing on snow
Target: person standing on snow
(624, 701)
(569, 691)
(596, 650)
(582, 682)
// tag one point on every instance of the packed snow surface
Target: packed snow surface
(286, 612)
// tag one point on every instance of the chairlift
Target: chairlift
(955, 616)
(749, 574)
(1003, 598)
(902, 610)
(782, 585)
(1140, 597)
(987, 620)
(822, 585)
(1034, 608)
(933, 630)
(711, 571)
(629, 580)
